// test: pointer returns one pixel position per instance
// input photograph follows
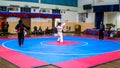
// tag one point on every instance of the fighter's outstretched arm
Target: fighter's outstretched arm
(64, 23)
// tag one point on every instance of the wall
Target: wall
(70, 16)
(47, 22)
(29, 4)
(2, 20)
(84, 2)
(84, 26)
(71, 13)
(12, 21)
(118, 20)
(106, 2)
(90, 17)
(112, 18)
(44, 23)
(97, 2)
(109, 17)
(87, 25)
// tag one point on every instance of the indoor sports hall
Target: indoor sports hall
(59, 34)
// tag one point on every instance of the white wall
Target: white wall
(106, 18)
(112, 18)
(90, 18)
(41, 20)
(87, 17)
(106, 2)
(12, 21)
(30, 4)
(97, 2)
(118, 20)
(71, 16)
(109, 17)
(84, 2)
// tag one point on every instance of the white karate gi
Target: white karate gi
(59, 30)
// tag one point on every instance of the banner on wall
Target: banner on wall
(29, 15)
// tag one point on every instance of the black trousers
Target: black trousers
(101, 34)
(21, 38)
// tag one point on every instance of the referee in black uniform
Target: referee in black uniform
(101, 31)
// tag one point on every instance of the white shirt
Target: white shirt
(113, 29)
(60, 28)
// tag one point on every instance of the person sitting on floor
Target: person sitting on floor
(113, 31)
(35, 31)
(40, 30)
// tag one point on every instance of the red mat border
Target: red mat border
(90, 61)
(21, 60)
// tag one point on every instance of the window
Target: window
(55, 11)
(82, 17)
(13, 8)
(3, 8)
(25, 9)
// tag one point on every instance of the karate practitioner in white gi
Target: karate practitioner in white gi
(59, 31)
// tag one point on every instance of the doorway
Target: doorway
(27, 22)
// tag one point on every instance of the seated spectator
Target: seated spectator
(48, 31)
(40, 30)
(35, 31)
(113, 31)
(68, 29)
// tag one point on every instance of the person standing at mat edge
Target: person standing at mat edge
(59, 31)
(101, 31)
(20, 27)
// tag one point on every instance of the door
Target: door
(27, 22)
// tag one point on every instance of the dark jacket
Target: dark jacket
(102, 27)
(21, 27)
